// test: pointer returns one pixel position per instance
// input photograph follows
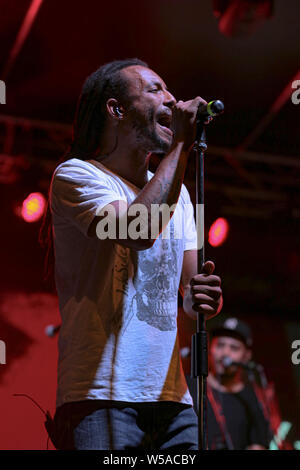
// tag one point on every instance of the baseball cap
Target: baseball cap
(235, 328)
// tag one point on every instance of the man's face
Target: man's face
(225, 346)
(149, 113)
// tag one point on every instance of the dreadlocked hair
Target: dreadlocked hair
(106, 82)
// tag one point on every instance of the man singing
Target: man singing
(120, 380)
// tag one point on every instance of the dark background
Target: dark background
(252, 181)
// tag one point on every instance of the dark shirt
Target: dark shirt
(245, 422)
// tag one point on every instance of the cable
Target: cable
(49, 423)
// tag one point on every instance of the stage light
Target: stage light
(218, 232)
(33, 207)
(241, 17)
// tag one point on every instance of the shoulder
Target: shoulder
(80, 173)
(80, 177)
(75, 166)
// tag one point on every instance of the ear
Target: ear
(114, 109)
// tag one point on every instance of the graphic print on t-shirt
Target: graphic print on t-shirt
(145, 283)
(156, 287)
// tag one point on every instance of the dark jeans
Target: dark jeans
(101, 425)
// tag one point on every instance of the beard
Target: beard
(228, 373)
(147, 134)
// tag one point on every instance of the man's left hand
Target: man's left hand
(205, 293)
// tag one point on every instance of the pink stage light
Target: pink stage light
(218, 232)
(33, 207)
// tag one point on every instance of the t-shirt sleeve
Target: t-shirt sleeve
(189, 225)
(78, 192)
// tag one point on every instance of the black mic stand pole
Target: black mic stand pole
(199, 359)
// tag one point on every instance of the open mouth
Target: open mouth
(164, 122)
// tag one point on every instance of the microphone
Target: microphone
(227, 362)
(52, 330)
(185, 352)
(210, 110)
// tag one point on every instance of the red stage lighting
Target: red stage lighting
(241, 17)
(218, 232)
(33, 207)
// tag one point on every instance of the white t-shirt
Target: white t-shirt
(118, 338)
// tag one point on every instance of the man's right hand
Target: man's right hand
(184, 121)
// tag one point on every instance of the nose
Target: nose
(226, 352)
(169, 99)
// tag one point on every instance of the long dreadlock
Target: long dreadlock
(106, 82)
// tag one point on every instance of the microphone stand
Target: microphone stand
(199, 359)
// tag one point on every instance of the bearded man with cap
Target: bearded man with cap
(235, 418)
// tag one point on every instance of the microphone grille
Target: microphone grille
(50, 331)
(227, 362)
(215, 107)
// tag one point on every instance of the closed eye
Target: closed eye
(156, 86)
